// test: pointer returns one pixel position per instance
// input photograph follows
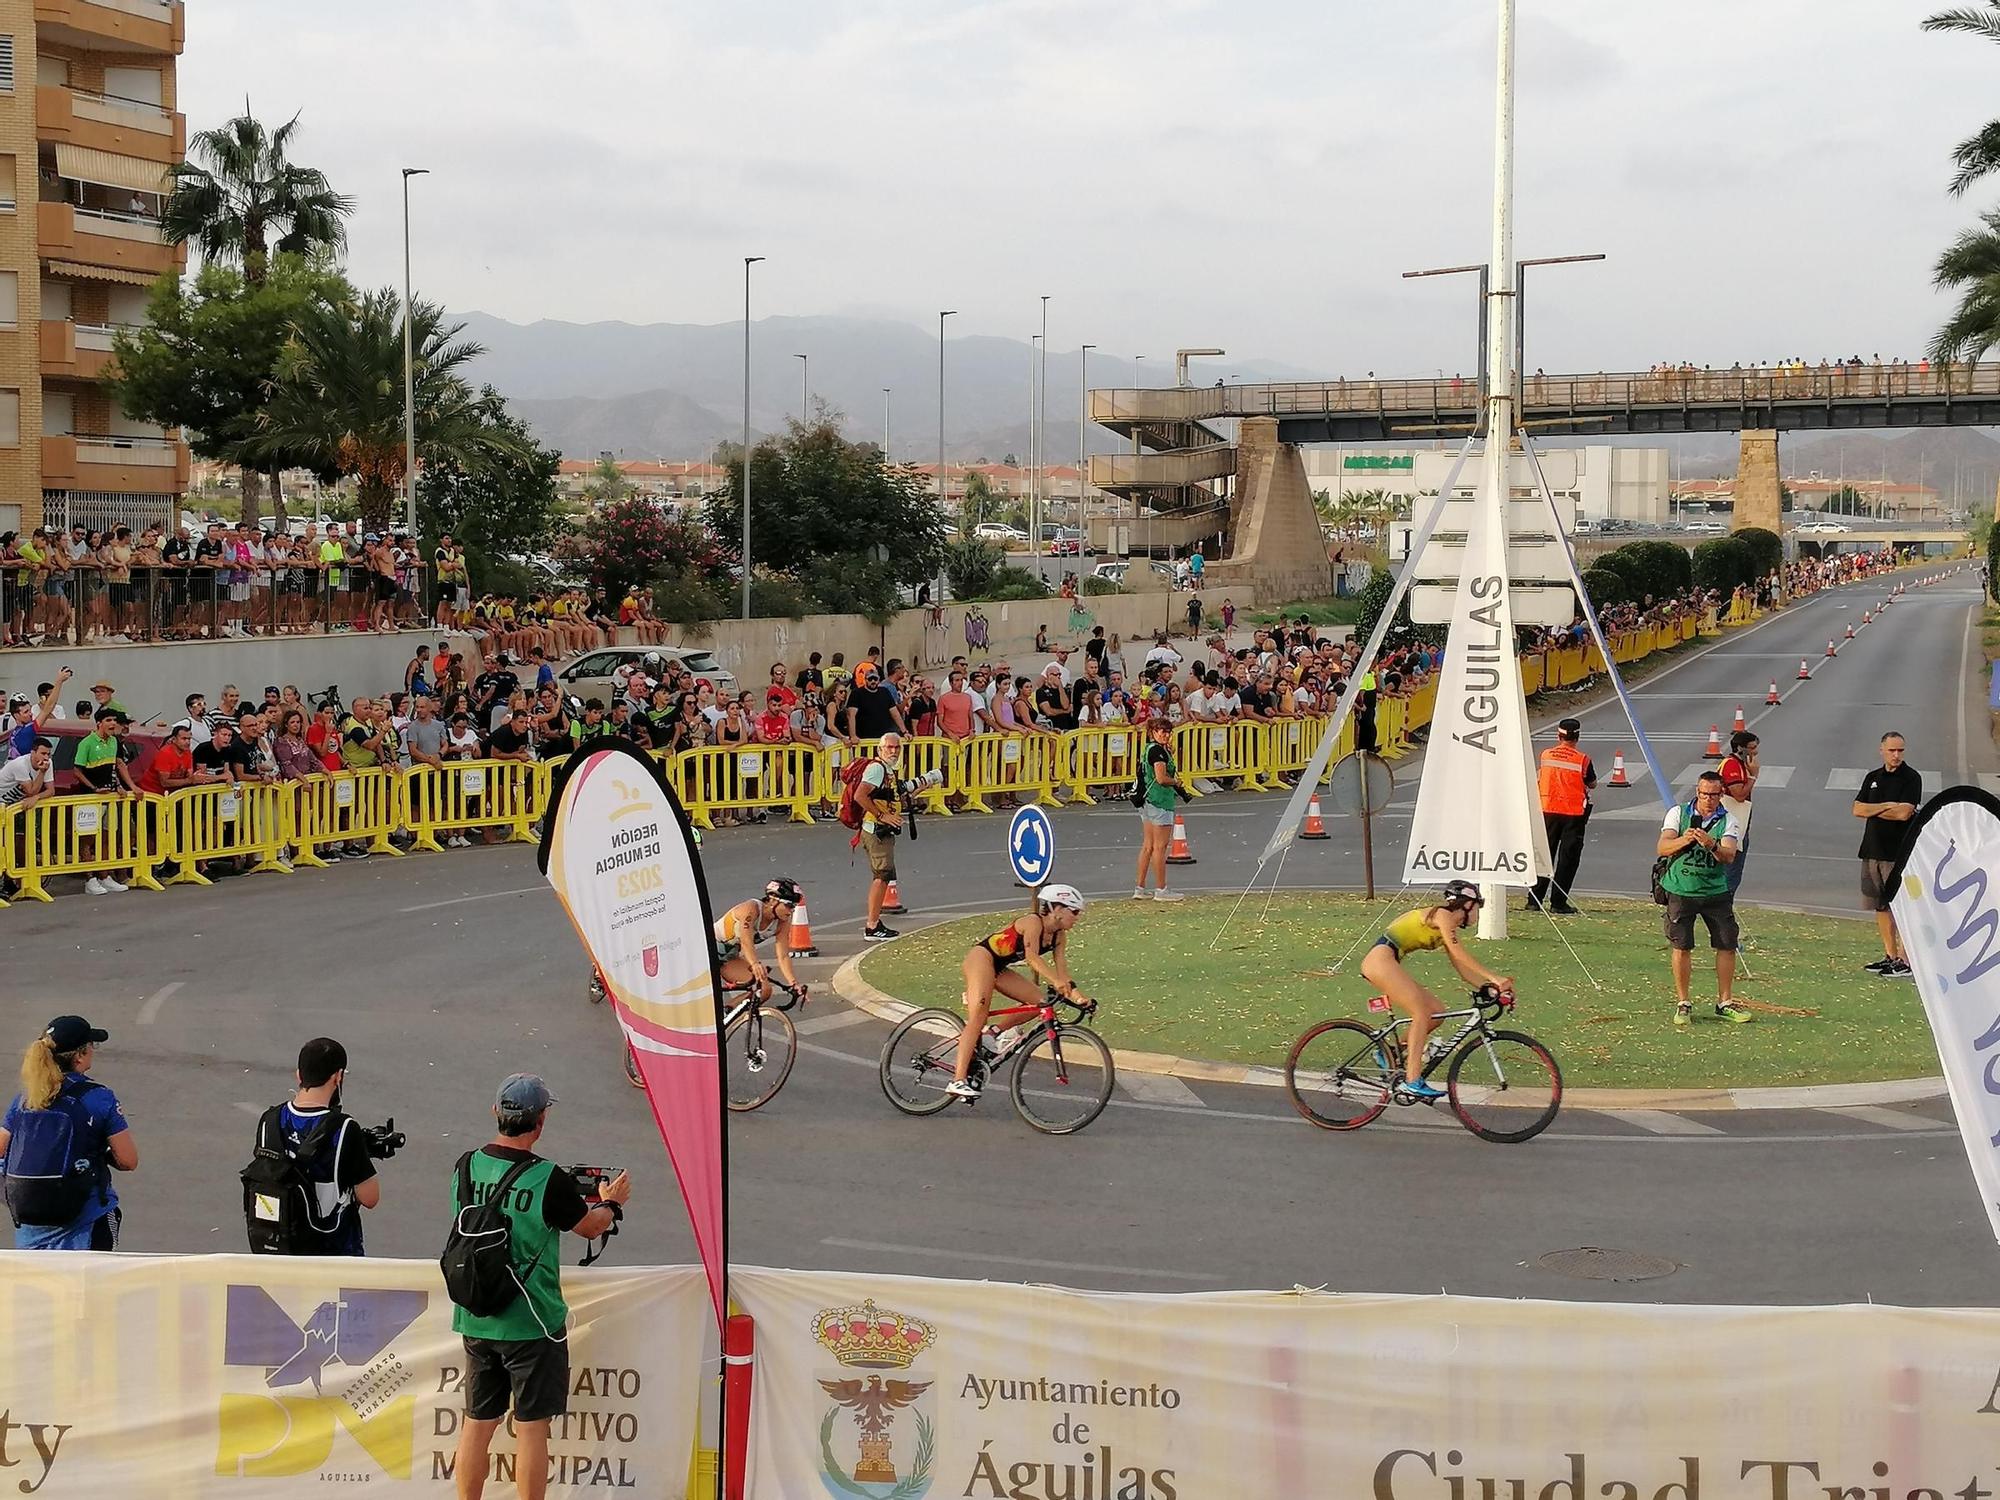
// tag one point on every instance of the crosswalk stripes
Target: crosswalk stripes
(834, 1021)
(1846, 779)
(1889, 1119)
(1660, 1122)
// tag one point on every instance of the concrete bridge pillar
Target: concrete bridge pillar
(1275, 546)
(1759, 501)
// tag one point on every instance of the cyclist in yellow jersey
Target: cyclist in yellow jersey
(738, 930)
(1036, 939)
(1419, 931)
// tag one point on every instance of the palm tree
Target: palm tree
(239, 188)
(1970, 266)
(337, 397)
(1977, 155)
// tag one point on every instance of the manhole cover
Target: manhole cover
(1593, 1263)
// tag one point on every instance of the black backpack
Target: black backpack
(278, 1193)
(48, 1181)
(478, 1259)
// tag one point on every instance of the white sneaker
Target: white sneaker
(962, 1088)
(111, 885)
(1168, 896)
(1140, 893)
(95, 887)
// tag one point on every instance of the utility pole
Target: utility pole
(748, 262)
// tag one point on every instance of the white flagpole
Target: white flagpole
(1500, 352)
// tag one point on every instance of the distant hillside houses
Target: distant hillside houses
(682, 481)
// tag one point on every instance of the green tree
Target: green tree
(607, 483)
(1722, 563)
(816, 497)
(969, 566)
(491, 509)
(981, 503)
(1653, 567)
(1606, 587)
(1977, 155)
(1970, 266)
(337, 398)
(1374, 599)
(636, 541)
(1767, 552)
(204, 359)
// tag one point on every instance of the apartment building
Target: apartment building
(88, 130)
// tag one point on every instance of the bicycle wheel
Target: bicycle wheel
(760, 1046)
(632, 1068)
(1339, 1076)
(918, 1060)
(1504, 1086)
(596, 989)
(1062, 1082)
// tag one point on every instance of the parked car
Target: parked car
(589, 676)
(1005, 536)
(1823, 528)
(1066, 542)
(1706, 528)
(143, 743)
(1116, 568)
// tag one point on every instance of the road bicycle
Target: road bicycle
(1062, 1070)
(1503, 1085)
(759, 1042)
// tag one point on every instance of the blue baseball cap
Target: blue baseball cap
(523, 1094)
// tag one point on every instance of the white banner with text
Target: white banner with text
(165, 1378)
(891, 1388)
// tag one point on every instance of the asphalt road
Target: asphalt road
(442, 973)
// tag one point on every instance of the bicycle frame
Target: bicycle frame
(1475, 1019)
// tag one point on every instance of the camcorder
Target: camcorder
(383, 1141)
(590, 1183)
(906, 797)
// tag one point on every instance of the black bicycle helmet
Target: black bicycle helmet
(1461, 893)
(784, 888)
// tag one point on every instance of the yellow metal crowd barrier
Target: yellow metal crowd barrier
(473, 795)
(1213, 751)
(101, 833)
(740, 778)
(1010, 765)
(345, 807)
(1102, 758)
(144, 839)
(252, 821)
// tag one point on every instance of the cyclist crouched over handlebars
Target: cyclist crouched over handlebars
(1419, 931)
(1037, 939)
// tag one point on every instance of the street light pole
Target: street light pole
(1083, 440)
(1041, 480)
(885, 426)
(1034, 444)
(748, 262)
(805, 386)
(947, 313)
(409, 369)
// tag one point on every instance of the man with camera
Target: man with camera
(881, 800)
(314, 1167)
(517, 1353)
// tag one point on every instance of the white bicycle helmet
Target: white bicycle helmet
(1063, 895)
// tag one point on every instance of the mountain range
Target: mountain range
(675, 390)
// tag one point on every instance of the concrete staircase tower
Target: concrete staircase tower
(1759, 500)
(1277, 548)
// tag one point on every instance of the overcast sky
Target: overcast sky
(1767, 176)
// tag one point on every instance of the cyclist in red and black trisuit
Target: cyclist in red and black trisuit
(1035, 939)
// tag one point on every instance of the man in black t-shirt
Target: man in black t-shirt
(513, 740)
(224, 756)
(1888, 800)
(339, 1168)
(871, 707)
(490, 691)
(1052, 700)
(1096, 647)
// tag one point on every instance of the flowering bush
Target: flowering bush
(637, 541)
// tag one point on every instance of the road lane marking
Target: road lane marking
(1661, 1122)
(526, 890)
(1159, 1088)
(814, 1025)
(150, 1011)
(1026, 1261)
(1891, 1119)
(1964, 662)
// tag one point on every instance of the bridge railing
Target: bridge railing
(1754, 386)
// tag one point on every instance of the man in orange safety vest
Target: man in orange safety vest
(1565, 782)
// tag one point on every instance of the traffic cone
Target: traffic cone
(1618, 776)
(1867, 616)
(1714, 750)
(1315, 825)
(1804, 670)
(1771, 694)
(893, 902)
(802, 933)
(1850, 633)
(1737, 726)
(1831, 650)
(1178, 852)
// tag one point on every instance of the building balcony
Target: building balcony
(117, 463)
(106, 122)
(155, 26)
(100, 237)
(76, 351)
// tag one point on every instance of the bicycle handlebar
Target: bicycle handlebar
(1491, 997)
(1082, 1008)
